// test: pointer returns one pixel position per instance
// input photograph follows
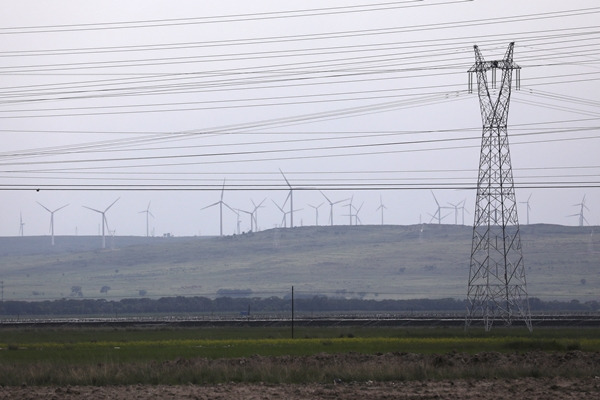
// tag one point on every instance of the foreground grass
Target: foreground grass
(102, 357)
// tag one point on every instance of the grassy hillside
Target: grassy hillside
(360, 261)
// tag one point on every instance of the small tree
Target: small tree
(104, 289)
(76, 291)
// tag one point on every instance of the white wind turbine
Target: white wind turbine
(254, 214)
(51, 218)
(104, 221)
(350, 208)
(331, 204)
(528, 207)
(221, 203)
(316, 212)
(438, 212)
(21, 224)
(290, 196)
(381, 207)
(456, 207)
(357, 220)
(148, 214)
(582, 206)
(284, 213)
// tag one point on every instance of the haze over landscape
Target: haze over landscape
(167, 103)
(207, 118)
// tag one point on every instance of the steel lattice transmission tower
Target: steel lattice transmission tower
(497, 287)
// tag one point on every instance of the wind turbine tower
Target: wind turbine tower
(103, 221)
(381, 207)
(497, 287)
(21, 224)
(220, 203)
(331, 204)
(51, 219)
(316, 213)
(528, 207)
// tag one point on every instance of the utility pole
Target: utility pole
(497, 287)
(292, 312)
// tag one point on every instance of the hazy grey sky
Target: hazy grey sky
(167, 99)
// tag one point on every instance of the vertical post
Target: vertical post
(292, 312)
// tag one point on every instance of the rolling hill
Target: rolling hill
(398, 262)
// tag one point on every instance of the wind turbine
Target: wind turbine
(438, 212)
(356, 217)
(456, 207)
(51, 218)
(255, 212)
(381, 207)
(251, 218)
(285, 213)
(350, 208)
(104, 221)
(331, 203)
(528, 207)
(284, 219)
(21, 224)
(290, 196)
(148, 213)
(580, 214)
(221, 203)
(316, 213)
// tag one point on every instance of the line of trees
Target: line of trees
(191, 305)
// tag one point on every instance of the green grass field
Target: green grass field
(128, 356)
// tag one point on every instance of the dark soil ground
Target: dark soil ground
(529, 388)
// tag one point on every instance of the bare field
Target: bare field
(488, 389)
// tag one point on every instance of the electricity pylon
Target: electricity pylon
(497, 287)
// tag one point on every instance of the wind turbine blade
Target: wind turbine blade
(47, 209)
(361, 205)
(327, 198)
(277, 205)
(286, 181)
(435, 198)
(287, 198)
(60, 208)
(213, 204)
(93, 209)
(112, 204)
(223, 190)
(105, 222)
(227, 205)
